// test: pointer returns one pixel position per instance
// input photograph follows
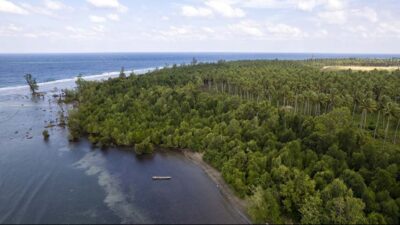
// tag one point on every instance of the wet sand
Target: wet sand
(240, 205)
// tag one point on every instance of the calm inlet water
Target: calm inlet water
(62, 182)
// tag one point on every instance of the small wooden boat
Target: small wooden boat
(161, 178)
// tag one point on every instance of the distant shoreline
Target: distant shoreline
(95, 77)
(202, 52)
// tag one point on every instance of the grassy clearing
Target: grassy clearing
(361, 68)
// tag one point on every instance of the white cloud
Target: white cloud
(191, 11)
(99, 28)
(113, 17)
(359, 31)
(367, 13)
(333, 17)
(349, 16)
(225, 8)
(310, 5)
(48, 8)
(304, 5)
(265, 3)
(54, 5)
(103, 19)
(389, 29)
(97, 19)
(174, 33)
(42, 34)
(247, 28)
(321, 33)
(9, 7)
(285, 31)
(307, 5)
(10, 30)
(37, 9)
(94, 33)
(165, 18)
(268, 31)
(108, 4)
(208, 30)
(382, 30)
(334, 4)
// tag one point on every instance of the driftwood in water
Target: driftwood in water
(161, 178)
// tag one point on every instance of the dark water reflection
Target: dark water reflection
(62, 182)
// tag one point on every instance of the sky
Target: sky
(318, 26)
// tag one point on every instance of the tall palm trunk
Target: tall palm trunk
(354, 110)
(362, 119)
(377, 123)
(386, 130)
(395, 133)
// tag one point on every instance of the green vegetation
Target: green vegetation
(304, 145)
(122, 73)
(46, 135)
(32, 83)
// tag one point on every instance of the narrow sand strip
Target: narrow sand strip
(240, 205)
(362, 68)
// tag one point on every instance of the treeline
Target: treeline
(356, 62)
(299, 142)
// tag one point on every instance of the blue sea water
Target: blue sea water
(51, 67)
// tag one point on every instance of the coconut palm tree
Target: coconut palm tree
(397, 115)
(380, 106)
(357, 96)
(368, 106)
(389, 111)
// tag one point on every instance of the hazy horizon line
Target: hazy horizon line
(198, 52)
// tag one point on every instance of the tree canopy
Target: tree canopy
(303, 144)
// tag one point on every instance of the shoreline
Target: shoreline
(109, 190)
(94, 77)
(240, 205)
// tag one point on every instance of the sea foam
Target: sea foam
(67, 82)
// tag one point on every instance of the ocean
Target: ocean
(56, 67)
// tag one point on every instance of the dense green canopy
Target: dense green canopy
(305, 145)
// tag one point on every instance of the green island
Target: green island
(302, 144)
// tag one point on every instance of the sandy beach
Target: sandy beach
(361, 68)
(240, 205)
